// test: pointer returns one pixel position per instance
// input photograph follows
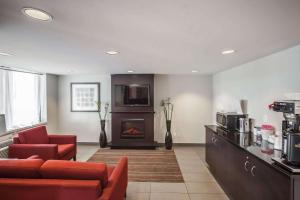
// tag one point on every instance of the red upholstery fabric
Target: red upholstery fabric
(36, 141)
(117, 182)
(36, 135)
(110, 170)
(68, 156)
(20, 168)
(61, 189)
(34, 157)
(47, 189)
(64, 149)
(62, 139)
(57, 169)
(44, 151)
(16, 140)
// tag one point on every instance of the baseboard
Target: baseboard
(184, 144)
(88, 143)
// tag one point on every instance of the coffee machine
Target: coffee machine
(290, 130)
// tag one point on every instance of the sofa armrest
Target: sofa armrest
(62, 139)
(16, 140)
(23, 151)
(117, 182)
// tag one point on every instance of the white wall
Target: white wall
(191, 94)
(85, 125)
(52, 103)
(274, 77)
(192, 98)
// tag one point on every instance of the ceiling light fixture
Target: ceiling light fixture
(194, 71)
(37, 14)
(5, 54)
(112, 52)
(229, 51)
(130, 71)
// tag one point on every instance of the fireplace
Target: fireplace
(132, 111)
(133, 128)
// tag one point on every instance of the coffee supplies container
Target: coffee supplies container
(278, 143)
(244, 125)
(251, 125)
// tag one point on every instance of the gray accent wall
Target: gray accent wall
(52, 102)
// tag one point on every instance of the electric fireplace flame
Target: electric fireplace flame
(133, 129)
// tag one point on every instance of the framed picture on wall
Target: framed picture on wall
(84, 97)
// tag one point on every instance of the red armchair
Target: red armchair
(36, 141)
(35, 179)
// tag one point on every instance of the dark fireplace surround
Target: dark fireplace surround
(132, 126)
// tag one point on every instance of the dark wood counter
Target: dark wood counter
(245, 170)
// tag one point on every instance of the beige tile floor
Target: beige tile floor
(199, 183)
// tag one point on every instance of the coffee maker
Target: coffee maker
(290, 130)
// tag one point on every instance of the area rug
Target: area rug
(144, 165)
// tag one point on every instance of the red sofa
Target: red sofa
(36, 141)
(34, 179)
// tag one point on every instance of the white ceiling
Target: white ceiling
(152, 36)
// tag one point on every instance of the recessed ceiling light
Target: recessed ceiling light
(5, 54)
(112, 52)
(228, 51)
(37, 14)
(130, 71)
(194, 71)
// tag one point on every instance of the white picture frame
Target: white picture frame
(84, 97)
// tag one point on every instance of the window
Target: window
(22, 98)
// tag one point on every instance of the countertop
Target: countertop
(263, 152)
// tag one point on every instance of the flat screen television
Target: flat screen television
(132, 95)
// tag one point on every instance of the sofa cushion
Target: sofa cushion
(20, 168)
(64, 149)
(36, 135)
(58, 169)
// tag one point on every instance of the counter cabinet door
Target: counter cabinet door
(240, 182)
(296, 184)
(269, 183)
(222, 160)
(210, 151)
